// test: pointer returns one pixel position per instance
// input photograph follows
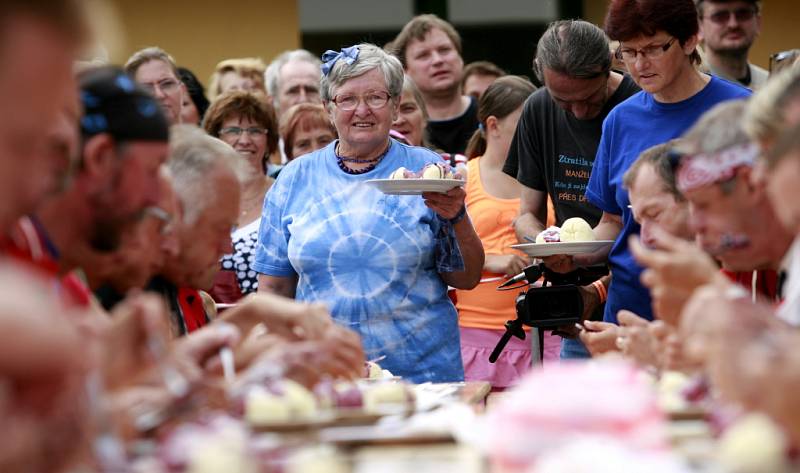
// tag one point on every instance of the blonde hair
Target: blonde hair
(249, 67)
(153, 53)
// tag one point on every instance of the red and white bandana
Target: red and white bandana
(701, 170)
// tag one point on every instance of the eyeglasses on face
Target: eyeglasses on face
(722, 17)
(166, 86)
(373, 100)
(650, 52)
(236, 132)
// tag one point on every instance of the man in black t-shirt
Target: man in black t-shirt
(430, 50)
(558, 133)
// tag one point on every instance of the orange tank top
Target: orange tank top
(485, 307)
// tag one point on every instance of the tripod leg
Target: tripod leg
(541, 344)
(536, 358)
(500, 345)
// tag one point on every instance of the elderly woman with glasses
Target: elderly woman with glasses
(382, 263)
(247, 122)
(657, 43)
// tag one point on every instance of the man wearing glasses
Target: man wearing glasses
(728, 29)
(155, 70)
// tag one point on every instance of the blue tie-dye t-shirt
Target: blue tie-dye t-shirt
(369, 256)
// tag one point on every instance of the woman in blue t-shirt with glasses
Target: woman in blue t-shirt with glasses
(658, 44)
(382, 263)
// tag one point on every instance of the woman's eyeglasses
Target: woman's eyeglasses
(373, 100)
(650, 52)
(236, 132)
(166, 86)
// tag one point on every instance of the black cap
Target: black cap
(113, 103)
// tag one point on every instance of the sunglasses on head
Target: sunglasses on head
(741, 14)
(782, 60)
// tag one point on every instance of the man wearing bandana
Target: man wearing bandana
(124, 143)
(730, 213)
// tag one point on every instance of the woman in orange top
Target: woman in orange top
(493, 203)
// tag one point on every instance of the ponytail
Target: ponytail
(500, 99)
(477, 143)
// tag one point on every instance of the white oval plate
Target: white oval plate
(539, 250)
(414, 186)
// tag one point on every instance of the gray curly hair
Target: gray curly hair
(369, 58)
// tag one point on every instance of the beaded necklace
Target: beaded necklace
(341, 160)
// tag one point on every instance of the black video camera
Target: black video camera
(556, 303)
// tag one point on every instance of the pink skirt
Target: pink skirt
(515, 360)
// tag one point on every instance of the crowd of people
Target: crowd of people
(150, 224)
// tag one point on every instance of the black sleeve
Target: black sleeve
(524, 161)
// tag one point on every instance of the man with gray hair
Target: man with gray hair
(293, 78)
(207, 177)
(558, 133)
(730, 213)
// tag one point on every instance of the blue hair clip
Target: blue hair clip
(329, 59)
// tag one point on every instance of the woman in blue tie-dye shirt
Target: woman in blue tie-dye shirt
(382, 263)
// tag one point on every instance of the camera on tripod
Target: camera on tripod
(558, 302)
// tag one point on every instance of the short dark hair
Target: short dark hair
(153, 53)
(699, 3)
(417, 29)
(248, 105)
(661, 158)
(627, 19)
(481, 68)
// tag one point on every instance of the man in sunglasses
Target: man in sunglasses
(728, 29)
